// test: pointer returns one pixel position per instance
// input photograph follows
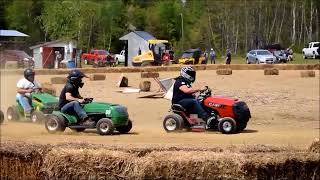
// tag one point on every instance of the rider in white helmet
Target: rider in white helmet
(183, 92)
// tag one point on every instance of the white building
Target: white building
(45, 54)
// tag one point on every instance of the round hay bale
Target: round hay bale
(145, 86)
(307, 74)
(48, 88)
(271, 71)
(97, 77)
(224, 71)
(149, 74)
(58, 80)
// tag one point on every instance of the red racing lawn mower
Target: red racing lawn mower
(228, 115)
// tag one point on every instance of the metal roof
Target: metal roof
(12, 33)
(45, 44)
(145, 35)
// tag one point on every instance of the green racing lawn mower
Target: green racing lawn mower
(42, 104)
(107, 117)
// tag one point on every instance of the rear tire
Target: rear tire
(12, 114)
(227, 125)
(105, 126)
(173, 122)
(55, 123)
(241, 126)
(125, 129)
(37, 117)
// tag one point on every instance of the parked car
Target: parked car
(97, 56)
(312, 50)
(280, 56)
(120, 58)
(260, 56)
(21, 58)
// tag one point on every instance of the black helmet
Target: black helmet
(75, 77)
(29, 74)
(188, 73)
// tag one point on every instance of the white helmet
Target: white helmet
(188, 73)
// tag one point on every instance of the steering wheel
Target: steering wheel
(87, 100)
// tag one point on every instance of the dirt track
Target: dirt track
(285, 111)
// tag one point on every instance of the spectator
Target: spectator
(228, 56)
(139, 51)
(212, 56)
(205, 54)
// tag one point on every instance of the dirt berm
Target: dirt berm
(20, 160)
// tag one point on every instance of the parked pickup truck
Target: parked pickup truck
(312, 50)
(95, 57)
(120, 58)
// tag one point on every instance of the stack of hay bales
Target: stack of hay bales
(97, 77)
(58, 80)
(48, 88)
(149, 75)
(224, 71)
(271, 71)
(305, 74)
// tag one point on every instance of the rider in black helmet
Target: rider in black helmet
(183, 92)
(26, 86)
(70, 99)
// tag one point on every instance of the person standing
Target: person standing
(212, 56)
(228, 56)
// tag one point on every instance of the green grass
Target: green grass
(297, 59)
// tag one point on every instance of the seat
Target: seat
(177, 107)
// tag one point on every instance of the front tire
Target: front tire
(12, 114)
(173, 122)
(105, 126)
(55, 123)
(37, 117)
(125, 129)
(304, 56)
(227, 125)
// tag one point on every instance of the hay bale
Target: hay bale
(79, 163)
(145, 86)
(227, 71)
(123, 81)
(48, 88)
(307, 74)
(58, 80)
(97, 77)
(149, 74)
(271, 71)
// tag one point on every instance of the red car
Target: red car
(98, 58)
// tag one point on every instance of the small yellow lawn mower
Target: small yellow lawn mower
(192, 56)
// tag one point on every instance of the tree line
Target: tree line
(240, 25)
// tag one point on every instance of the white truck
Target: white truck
(313, 50)
(120, 58)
